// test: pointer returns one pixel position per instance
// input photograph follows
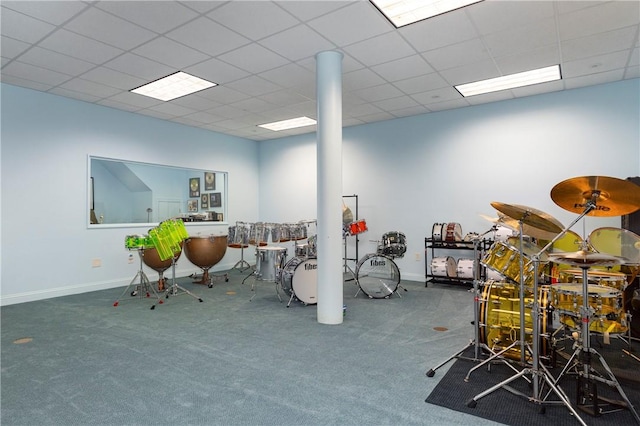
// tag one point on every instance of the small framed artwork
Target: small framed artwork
(194, 187)
(220, 217)
(209, 181)
(204, 201)
(215, 200)
(192, 205)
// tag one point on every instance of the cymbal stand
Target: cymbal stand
(581, 359)
(141, 289)
(537, 370)
(520, 341)
(476, 312)
(174, 289)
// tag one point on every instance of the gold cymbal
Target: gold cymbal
(611, 196)
(347, 215)
(529, 216)
(586, 258)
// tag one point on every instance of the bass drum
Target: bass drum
(500, 319)
(443, 267)
(378, 276)
(300, 279)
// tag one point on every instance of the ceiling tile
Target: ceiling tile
(394, 104)
(217, 71)
(208, 36)
(421, 83)
(297, 43)
(254, 86)
(471, 72)
(255, 20)
(157, 16)
(595, 64)
(171, 109)
(80, 47)
(339, 28)
(438, 95)
(525, 38)
(139, 67)
(89, 87)
(56, 61)
(22, 27)
(53, 12)
(456, 55)
(436, 32)
(170, 53)
(10, 48)
(380, 49)
(99, 25)
(528, 60)
(404, 68)
(584, 47)
(310, 9)
(81, 96)
(33, 73)
(360, 79)
(599, 18)
(495, 16)
(378, 93)
(113, 78)
(253, 58)
(290, 75)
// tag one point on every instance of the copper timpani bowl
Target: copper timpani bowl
(151, 258)
(205, 252)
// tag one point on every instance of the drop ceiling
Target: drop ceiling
(262, 55)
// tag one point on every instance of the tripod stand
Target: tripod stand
(476, 312)
(174, 289)
(142, 287)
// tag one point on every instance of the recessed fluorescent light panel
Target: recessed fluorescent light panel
(405, 12)
(173, 86)
(527, 78)
(289, 124)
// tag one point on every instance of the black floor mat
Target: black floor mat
(506, 407)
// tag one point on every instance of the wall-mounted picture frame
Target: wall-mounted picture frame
(215, 200)
(192, 205)
(209, 181)
(220, 217)
(194, 187)
(204, 201)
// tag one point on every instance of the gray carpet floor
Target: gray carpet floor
(78, 360)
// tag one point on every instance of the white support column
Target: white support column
(329, 131)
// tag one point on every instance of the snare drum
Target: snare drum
(358, 227)
(269, 263)
(393, 244)
(280, 233)
(443, 266)
(258, 234)
(503, 233)
(615, 280)
(605, 304)
(300, 279)
(238, 237)
(377, 275)
(466, 268)
(505, 259)
(500, 318)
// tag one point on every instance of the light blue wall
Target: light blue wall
(409, 173)
(47, 249)
(449, 166)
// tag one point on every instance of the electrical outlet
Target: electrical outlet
(417, 257)
(96, 263)
(130, 258)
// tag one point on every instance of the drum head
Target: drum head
(617, 242)
(305, 282)
(378, 276)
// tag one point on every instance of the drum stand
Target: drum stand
(174, 289)
(581, 360)
(241, 264)
(476, 316)
(538, 371)
(142, 288)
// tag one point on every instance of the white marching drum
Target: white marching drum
(300, 279)
(466, 268)
(443, 266)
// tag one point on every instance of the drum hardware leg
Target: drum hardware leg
(174, 289)
(241, 264)
(142, 288)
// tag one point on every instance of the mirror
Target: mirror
(122, 193)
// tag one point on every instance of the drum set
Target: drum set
(554, 281)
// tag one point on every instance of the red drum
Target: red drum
(358, 227)
(453, 232)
